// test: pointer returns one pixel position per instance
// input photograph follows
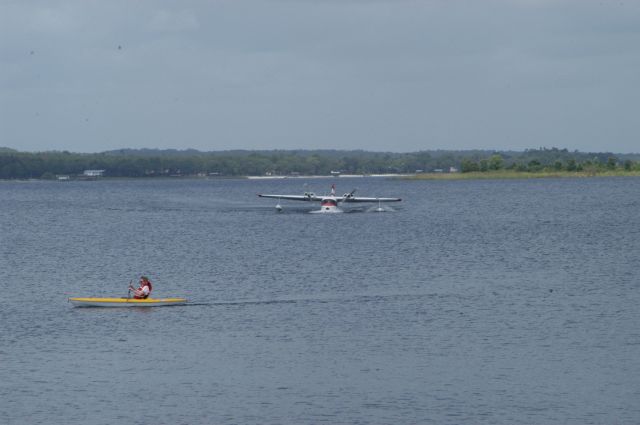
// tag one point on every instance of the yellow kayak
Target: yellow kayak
(125, 302)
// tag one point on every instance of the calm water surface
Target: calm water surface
(474, 302)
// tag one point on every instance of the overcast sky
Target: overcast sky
(95, 75)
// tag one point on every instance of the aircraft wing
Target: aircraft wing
(309, 197)
(368, 199)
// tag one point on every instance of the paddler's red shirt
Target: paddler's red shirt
(142, 292)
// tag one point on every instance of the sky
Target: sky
(378, 75)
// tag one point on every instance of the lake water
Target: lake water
(473, 302)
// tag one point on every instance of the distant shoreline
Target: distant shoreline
(316, 164)
(194, 177)
(343, 176)
(521, 175)
(476, 175)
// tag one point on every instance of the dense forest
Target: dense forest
(157, 163)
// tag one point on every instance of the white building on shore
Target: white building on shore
(93, 173)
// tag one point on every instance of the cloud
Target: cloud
(173, 21)
(51, 20)
(354, 74)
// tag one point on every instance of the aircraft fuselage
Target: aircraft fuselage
(328, 205)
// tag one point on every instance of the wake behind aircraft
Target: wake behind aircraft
(330, 203)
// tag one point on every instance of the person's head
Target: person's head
(144, 280)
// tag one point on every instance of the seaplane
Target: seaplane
(329, 203)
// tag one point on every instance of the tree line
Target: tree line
(158, 163)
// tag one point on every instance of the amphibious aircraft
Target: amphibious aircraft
(329, 203)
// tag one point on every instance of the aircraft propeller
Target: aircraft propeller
(347, 195)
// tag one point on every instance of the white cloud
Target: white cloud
(173, 21)
(354, 74)
(51, 20)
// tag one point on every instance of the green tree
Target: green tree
(496, 162)
(519, 166)
(467, 166)
(534, 166)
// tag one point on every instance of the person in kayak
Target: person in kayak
(144, 290)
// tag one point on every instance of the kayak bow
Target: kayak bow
(125, 302)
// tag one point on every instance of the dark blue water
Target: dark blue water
(474, 302)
